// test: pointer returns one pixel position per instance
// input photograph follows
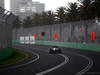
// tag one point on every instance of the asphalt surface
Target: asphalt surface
(70, 62)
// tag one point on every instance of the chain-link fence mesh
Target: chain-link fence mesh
(6, 22)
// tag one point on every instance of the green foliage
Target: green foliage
(61, 14)
(17, 23)
(85, 9)
(72, 12)
(51, 17)
(36, 19)
(82, 10)
(27, 22)
(43, 19)
(96, 7)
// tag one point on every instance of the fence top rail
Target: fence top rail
(5, 14)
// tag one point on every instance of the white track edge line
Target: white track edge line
(56, 67)
(25, 63)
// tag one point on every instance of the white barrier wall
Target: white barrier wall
(65, 31)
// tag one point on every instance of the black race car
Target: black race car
(55, 49)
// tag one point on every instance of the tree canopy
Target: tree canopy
(80, 10)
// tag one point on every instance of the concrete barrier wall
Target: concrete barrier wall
(89, 47)
(66, 31)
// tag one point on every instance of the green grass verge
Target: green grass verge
(13, 59)
(5, 53)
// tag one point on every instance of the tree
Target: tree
(72, 12)
(37, 19)
(85, 9)
(51, 17)
(96, 8)
(27, 22)
(44, 18)
(17, 23)
(60, 15)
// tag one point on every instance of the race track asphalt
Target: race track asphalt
(70, 62)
